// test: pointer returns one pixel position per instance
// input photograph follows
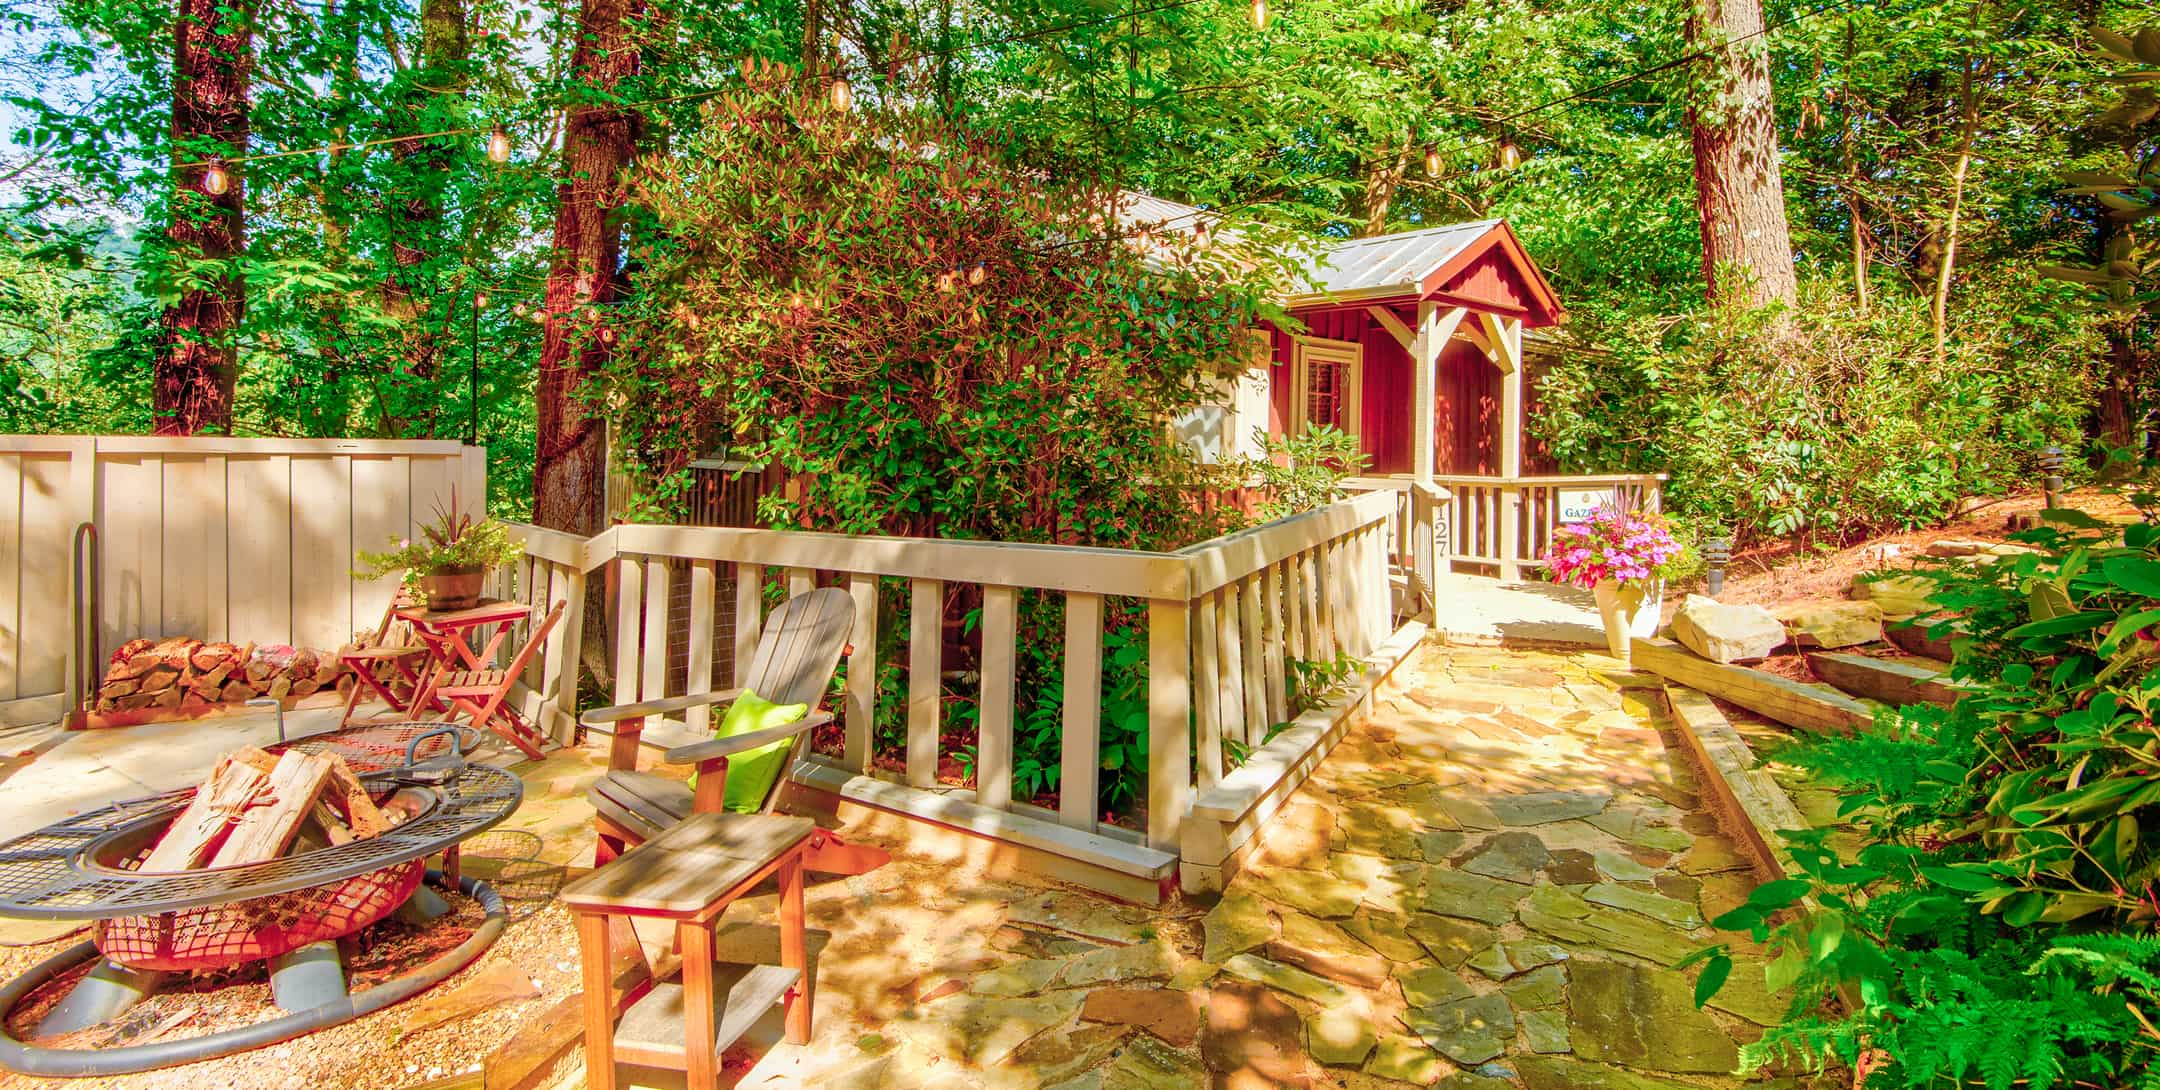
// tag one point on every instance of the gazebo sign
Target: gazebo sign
(1579, 505)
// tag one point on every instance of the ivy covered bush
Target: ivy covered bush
(1995, 926)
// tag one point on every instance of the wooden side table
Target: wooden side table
(690, 874)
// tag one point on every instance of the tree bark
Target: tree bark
(197, 359)
(1384, 170)
(416, 230)
(1739, 187)
(570, 474)
(1961, 166)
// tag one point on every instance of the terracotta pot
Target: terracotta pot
(453, 588)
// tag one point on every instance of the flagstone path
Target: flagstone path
(1483, 887)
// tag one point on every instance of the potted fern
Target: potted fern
(450, 562)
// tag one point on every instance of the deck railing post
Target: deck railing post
(926, 647)
(1511, 511)
(1169, 721)
(1080, 748)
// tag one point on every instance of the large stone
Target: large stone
(1467, 1031)
(1253, 1038)
(1078, 914)
(1120, 965)
(1470, 896)
(1726, 633)
(1151, 1065)
(984, 1031)
(1830, 625)
(1018, 978)
(1282, 977)
(1540, 987)
(1680, 914)
(1540, 807)
(1388, 885)
(1239, 922)
(1431, 985)
(1405, 1059)
(1957, 546)
(1171, 1015)
(1317, 892)
(1553, 1073)
(1054, 1057)
(1644, 1018)
(1621, 867)
(1341, 1034)
(1386, 932)
(1898, 596)
(1547, 1031)
(1440, 845)
(1449, 941)
(1564, 915)
(1502, 960)
(1511, 857)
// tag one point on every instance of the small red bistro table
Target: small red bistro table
(449, 637)
(690, 874)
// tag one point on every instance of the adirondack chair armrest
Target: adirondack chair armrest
(719, 748)
(606, 720)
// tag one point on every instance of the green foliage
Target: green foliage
(1302, 472)
(454, 540)
(1826, 421)
(2009, 872)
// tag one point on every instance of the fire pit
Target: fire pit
(288, 910)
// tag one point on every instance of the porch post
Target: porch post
(1506, 337)
(1435, 327)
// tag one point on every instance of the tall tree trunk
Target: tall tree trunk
(1961, 166)
(570, 474)
(1739, 188)
(197, 360)
(1384, 170)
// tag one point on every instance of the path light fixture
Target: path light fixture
(1717, 553)
(2051, 464)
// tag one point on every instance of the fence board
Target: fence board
(1000, 661)
(322, 537)
(862, 671)
(704, 579)
(926, 648)
(1080, 748)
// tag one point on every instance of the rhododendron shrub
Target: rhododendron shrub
(1631, 547)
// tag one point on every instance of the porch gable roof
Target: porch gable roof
(1480, 264)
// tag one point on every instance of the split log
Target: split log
(264, 832)
(280, 688)
(306, 686)
(134, 666)
(114, 690)
(349, 796)
(157, 677)
(236, 691)
(259, 672)
(210, 656)
(203, 825)
(167, 697)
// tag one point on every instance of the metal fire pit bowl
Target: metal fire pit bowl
(285, 910)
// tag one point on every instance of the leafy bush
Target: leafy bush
(1825, 421)
(1992, 928)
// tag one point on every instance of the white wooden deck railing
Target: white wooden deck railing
(1506, 522)
(1223, 619)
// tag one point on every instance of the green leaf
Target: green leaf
(1965, 879)
(1771, 896)
(1713, 977)
(2134, 574)
(2061, 625)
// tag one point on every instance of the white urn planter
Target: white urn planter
(1621, 605)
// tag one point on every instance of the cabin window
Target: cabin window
(1326, 384)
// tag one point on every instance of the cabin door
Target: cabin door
(1326, 384)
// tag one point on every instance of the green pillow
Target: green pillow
(751, 773)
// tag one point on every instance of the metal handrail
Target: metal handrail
(87, 606)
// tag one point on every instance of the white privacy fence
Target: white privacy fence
(214, 538)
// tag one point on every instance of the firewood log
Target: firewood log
(113, 690)
(134, 702)
(129, 650)
(264, 832)
(349, 796)
(260, 672)
(168, 698)
(136, 666)
(280, 688)
(201, 827)
(303, 663)
(235, 692)
(210, 656)
(158, 677)
(215, 678)
(306, 686)
(189, 698)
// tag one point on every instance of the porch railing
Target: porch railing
(1223, 620)
(1505, 523)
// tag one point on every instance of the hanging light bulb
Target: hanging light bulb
(480, 300)
(607, 336)
(1432, 161)
(843, 95)
(498, 146)
(945, 283)
(1259, 14)
(1200, 231)
(1144, 238)
(215, 180)
(1510, 155)
(978, 274)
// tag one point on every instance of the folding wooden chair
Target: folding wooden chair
(393, 643)
(480, 694)
(797, 653)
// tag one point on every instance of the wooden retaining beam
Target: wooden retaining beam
(1793, 703)
(1889, 680)
(1749, 804)
(1912, 638)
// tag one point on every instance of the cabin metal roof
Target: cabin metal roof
(1387, 265)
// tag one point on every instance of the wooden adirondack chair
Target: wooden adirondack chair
(480, 694)
(797, 652)
(394, 643)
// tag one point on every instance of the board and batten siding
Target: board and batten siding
(215, 538)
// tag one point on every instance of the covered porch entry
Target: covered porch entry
(1414, 343)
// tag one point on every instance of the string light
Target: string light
(1143, 238)
(978, 274)
(215, 180)
(843, 95)
(479, 300)
(1510, 155)
(1432, 161)
(1259, 14)
(945, 283)
(498, 146)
